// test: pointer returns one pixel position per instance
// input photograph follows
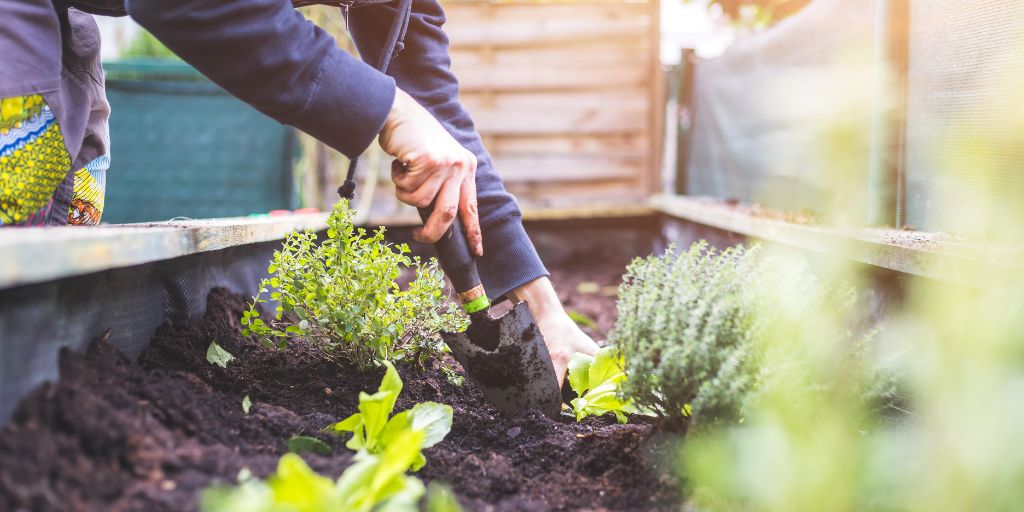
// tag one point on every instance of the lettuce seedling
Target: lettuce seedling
(596, 381)
(216, 354)
(304, 444)
(374, 482)
(374, 429)
(379, 482)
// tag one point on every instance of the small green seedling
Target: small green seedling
(306, 444)
(596, 381)
(453, 377)
(372, 429)
(215, 354)
(246, 404)
(440, 498)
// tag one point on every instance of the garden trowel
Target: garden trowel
(506, 356)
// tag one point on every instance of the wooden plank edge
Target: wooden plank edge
(540, 213)
(935, 256)
(34, 255)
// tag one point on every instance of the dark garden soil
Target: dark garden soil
(112, 435)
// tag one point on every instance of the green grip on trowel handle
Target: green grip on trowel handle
(459, 265)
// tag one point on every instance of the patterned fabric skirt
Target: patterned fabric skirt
(34, 162)
(54, 140)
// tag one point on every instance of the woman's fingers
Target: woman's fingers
(407, 179)
(423, 196)
(446, 208)
(468, 214)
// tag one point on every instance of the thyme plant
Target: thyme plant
(693, 329)
(342, 295)
(685, 325)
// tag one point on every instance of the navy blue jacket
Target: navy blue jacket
(271, 57)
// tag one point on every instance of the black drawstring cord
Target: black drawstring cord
(394, 45)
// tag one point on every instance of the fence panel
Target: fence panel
(565, 94)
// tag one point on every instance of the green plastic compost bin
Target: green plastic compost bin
(183, 147)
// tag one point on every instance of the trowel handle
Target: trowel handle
(459, 265)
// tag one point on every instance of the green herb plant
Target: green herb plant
(685, 326)
(342, 295)
(596, 381)
(374, 429)
(692, 329)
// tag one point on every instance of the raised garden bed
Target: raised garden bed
(116, 435)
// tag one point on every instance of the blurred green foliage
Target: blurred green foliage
(145, 45)
(957, 344)
(374, 482)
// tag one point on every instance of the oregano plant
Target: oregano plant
(342, 295)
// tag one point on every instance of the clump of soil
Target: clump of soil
(114, 435)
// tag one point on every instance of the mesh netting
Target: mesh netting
(963, 131)
(767, 111)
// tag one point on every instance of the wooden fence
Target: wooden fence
(565, 94)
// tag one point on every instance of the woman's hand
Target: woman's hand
(561, 334)
(431, 167)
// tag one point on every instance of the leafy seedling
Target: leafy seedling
(246, 404)
(373, 483)
(215, 354)
(440, 498)
(596, 381)
(374, 429)
(454, 378)
(379, 482)
(306, 444)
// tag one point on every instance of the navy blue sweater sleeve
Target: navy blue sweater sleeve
(271, 57)
(423, 69)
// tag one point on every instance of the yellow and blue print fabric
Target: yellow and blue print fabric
(90, 185)
(33, 158)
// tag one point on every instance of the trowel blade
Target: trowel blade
(506, 357)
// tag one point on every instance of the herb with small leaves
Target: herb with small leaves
(342, 296)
